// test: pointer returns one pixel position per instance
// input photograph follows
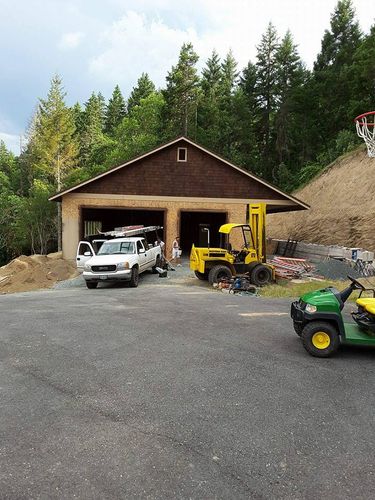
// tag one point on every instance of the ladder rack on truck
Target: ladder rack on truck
(128, 231)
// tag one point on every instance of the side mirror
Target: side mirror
(87, 254)
(141, 250)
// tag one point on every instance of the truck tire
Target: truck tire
(260, 275)
(201, 276)
(218, 272)
(320, 339)
(91, 284)
(134, 279)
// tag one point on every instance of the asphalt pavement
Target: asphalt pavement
(176, 392)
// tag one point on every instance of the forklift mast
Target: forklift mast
(257, 222)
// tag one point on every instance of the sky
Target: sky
(94, 45)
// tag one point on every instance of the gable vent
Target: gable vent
(181, 154)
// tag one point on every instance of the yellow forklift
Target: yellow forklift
(213, 264)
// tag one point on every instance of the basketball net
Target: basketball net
(366, 130)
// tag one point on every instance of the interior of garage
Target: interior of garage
(106, 219)
(191, 225)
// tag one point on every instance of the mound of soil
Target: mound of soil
(342, 200)
(35, 272)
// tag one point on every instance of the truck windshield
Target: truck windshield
(114, 247)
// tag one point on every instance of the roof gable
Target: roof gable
(203, 174)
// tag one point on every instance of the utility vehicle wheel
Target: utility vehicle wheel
(320, 339)
(91, 284)
(134, 280)
(260, 275)
(217, 273)
(157, 264)
(298, 327)
(201, 276)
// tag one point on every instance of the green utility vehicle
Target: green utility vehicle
(317, 319)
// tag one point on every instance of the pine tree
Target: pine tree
(143, 89)
(332, 71)
(92, 126)
(247, 112)
(78, 117)
(208, 132)
(181, 94)
(54, 149)
(362, 76)
(290, 76)
(267, 94)
(228, 120)
(340, 43)
(139, 131)
(116, 111)
(211, 75)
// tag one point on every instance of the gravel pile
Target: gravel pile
(335, 270)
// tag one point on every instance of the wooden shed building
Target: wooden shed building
(178, 185)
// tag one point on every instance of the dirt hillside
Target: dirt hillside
(342, 201)
(35, 272)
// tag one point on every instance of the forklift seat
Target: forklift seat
(368, 304)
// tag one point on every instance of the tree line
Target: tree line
(274, 117)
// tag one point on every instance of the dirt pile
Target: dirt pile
(35, 272)
(342, 200)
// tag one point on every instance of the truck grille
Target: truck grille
(99, 269)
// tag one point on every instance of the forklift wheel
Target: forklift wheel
(217, 273)
(201, 276)
(260, 275)
(320, 339)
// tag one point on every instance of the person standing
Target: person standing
(176, 251)
(161, 243)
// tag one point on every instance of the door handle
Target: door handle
(78, 258)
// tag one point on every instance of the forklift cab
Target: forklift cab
(244, 240)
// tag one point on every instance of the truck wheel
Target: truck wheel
(260, 275)
(201, 276)
(91, 284)
(298, 327)
(217, 273)
(133, 283)
(320, 339)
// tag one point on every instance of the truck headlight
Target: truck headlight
(122, 266)
(87, 267)
(310, 308)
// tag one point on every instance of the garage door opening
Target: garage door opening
(106, 219)
(191, 223)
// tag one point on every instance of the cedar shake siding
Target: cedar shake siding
(160, 174)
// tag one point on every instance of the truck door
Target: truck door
(142, 255)
(84, 252)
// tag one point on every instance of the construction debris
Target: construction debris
(240, 285)
(287, 268)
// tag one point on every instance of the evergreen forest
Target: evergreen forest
(275, 118)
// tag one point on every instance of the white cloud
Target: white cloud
(12, 141)
(70, 40)
(135, 44)
(148, 37)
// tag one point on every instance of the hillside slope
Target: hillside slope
(342, 200)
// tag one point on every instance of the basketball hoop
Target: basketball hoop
(365, 125)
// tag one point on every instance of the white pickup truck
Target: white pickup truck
(120, 259)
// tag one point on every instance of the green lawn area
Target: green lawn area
(284, 288)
